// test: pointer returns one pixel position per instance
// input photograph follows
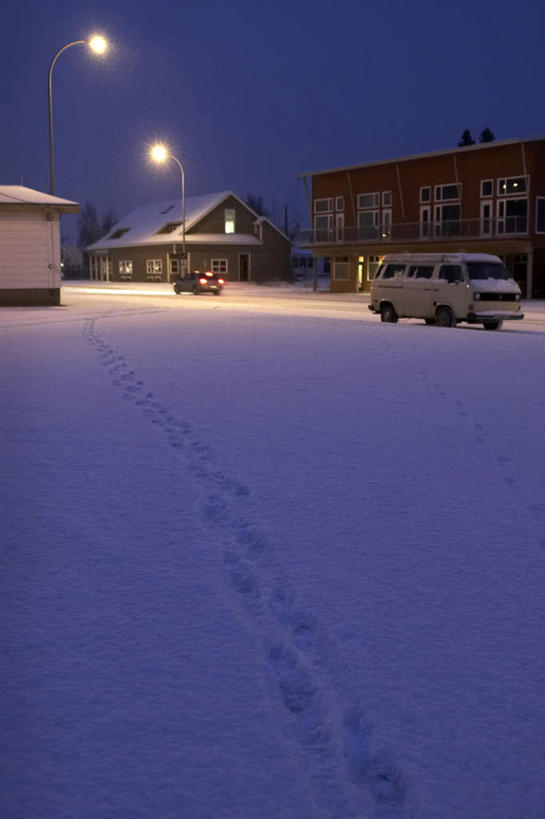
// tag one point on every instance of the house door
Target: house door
(243, 267)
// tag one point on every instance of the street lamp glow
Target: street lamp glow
(98, 44)
(158, 153)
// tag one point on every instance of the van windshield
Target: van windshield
(487, 270)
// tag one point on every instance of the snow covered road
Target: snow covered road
(271, 562)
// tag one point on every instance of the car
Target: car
(199, 283)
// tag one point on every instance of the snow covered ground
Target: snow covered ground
(270, 561)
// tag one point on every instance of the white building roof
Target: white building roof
(140, 226)
(20, 195)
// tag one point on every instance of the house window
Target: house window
(446, 192)
(373, 264)
(540, 214)
(486, 218)
(368, 224)
(323, 226)
(154, 268)
(219, 266)
(175, 267)
(229, 220)
(512, 216)
(425, 194)
(323, 205)
(487, 188)
(512, 185)
(386, 226)
(170, 227)
(386, 199)
(341, 269)
(368, 200)
(117, 234)
(339, 203)
(125, 270)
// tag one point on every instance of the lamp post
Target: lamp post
(160, 153)
(97, 44)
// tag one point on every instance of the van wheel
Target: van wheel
(444, 317)
(429, 322)
(388, 314)
(493, 325)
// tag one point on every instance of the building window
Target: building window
(512, 185)
(341, 269)
(487, 188)
(540, 214)
(368, 224)
(447, 192)
(386, 199)
(425, 194)
(219, 266)
(229, 220)
(447, 220)
(425, 221)
(339, 203)
(323, 205)
(175, 267)
(486, 218)
(373, 264)
(368, 200)
(154, 268)
(125, 270)
(386, 225)
(323, 226)
(512, 216)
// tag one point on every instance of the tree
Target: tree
(466, 139)
(257, 204)
(89, 229)
(108, 221)
(487, 135)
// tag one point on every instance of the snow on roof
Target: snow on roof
(140, 226)
(20, 195)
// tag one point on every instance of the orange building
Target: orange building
(487, 198)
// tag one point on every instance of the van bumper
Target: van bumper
(496, 315)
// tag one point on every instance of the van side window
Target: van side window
(393, 271)
(420, 271)
(451, 273)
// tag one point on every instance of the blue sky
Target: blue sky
(249, 95)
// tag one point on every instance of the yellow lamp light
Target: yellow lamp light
(98, 44)
(158, 153)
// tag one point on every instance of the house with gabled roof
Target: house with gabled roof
(30, 250)
(222, 234)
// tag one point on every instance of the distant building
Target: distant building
(30, 253)
(223, 234)
(486, 198)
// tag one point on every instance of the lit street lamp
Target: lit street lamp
(97, 44)
(159, 154)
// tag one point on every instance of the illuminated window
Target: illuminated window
(229, 220)
(154, 268)
(219, 266)
(512, 185)
(125, 270)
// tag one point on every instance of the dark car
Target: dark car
(199, 283)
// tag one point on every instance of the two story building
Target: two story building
(222, 234)
(487, 198)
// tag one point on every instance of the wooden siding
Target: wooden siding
(29, 250)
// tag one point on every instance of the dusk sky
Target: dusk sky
(251, 94)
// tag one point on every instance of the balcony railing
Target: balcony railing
(420, 231)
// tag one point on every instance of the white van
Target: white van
(446, 288)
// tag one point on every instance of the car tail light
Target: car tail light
(203, 281)
(208, 273)
(221, 281)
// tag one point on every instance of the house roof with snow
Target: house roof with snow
(145, 225)
(19, 195)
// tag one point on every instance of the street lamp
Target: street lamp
(160, 153)
(97, 44)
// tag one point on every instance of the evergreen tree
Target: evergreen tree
(466, 139)
(487, 135)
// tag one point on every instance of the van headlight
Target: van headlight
(476, 296)
(517, 296)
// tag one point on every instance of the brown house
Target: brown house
(222, 234)
(487, 198)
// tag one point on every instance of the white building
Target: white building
(30, 252)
